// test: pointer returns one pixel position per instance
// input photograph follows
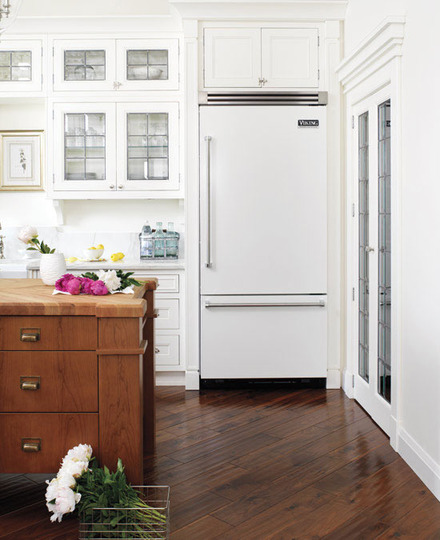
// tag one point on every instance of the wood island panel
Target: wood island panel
(102, 348)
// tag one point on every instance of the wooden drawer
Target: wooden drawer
(56, 433)
(166, 350)
(66, 381)
(167, 313)
(53, 333)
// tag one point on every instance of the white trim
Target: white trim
(192, 380)
(170, 378)
(347, 383)
(420, 461)
(333, 379)
(375, 51)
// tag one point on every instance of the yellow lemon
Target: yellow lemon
(72, 259)
(91, 247)
(99, 246)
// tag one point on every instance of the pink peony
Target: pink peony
(98, 288)
(73, 286)
(60, 285)
(86, 285)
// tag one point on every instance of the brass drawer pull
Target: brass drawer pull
(156, 350)
(30, 335)
(30, 383)
(31, 445)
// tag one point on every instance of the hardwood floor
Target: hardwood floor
(260, 465)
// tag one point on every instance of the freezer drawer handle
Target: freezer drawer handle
(208, 262)
(320, 303)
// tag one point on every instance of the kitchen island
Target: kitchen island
(75, 369)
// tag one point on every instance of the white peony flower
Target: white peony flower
(65, 502)
(82, 452)
(72, 467)
(27, 233)
(110, 279)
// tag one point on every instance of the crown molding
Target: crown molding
(377, 49)
(310, 10)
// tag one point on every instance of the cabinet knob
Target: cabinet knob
(31, 445)
(30, 335)
(116, 85)
(120, 186)
(156, 350)
(112, 186)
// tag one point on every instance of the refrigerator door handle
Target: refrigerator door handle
(208, 262)
(319, 303)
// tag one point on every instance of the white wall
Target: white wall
(420, 363)
(92, 8)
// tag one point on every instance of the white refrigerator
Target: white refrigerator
(263, 249)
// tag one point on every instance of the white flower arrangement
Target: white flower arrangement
(111, 280)
(61, 497)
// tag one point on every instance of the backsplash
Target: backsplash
(73, 244)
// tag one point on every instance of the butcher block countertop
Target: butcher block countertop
(32, 297)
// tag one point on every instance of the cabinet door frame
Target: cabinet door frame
(172, 109)
(60, 183)
(61, 45)
(267, 35)
(211, 35)
(35, 46)
(171, 45)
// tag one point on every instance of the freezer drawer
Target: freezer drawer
(263, 337)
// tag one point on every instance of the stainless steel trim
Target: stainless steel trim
(208, 262)
(319, 303)
(264, 97)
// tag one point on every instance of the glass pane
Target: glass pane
(95, 152)
(158, 151)
(74, 152)
(21, 73)
(157, 169)
(95, 141)
(21, 58)
(74, 58)
(137, 124)
(74, 124)
(384, 246)
(136, 169)
(137, 141)
(137, 73)
(137, 152)
(74, 141)
(363, 182)
(95, 123)
(95, 73)
(95, 169)
(137, 58)
(74, 169)
(158, 57)
(5, 74)
(158, 73)
(95, 58)
(158, 124)
(5, 58)
(74, 73)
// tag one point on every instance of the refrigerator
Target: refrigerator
(263, 242)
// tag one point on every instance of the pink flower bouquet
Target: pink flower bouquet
(71, 284)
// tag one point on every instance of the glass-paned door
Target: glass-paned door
(84, 65)
(85, 146)
(15, 65)
(147, 64)
(148, 138)
(21, 63)
(373, 245)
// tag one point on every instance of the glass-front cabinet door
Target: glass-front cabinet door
(85, 146)
(148, 146)
(147, 64)
(21, 65)
(85, 65)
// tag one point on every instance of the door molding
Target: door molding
(373, 69)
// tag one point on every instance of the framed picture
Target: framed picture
(21, 160)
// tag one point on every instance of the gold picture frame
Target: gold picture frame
(21, 159)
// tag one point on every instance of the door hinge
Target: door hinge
(352, 381)
(353, 210)
(53, 114)
(53, 78)
(319, 74)
(53, 51)
(352, 122)
(53, 178)
(318, 41)
(41, 78)
(353, 294)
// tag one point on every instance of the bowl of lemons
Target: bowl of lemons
(94, 253)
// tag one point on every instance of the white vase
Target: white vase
(52, 267)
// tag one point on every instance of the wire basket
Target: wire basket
(151, 523)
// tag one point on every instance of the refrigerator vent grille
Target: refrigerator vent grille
(264, 98)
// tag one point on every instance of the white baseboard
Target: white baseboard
(192, 380)
(419, 461)
(333, 379)
(347, 383)
(170, 378)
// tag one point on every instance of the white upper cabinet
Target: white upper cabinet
(290, 57)
(84, 64)
(232, 57)
(273, 58)
(21, 65)
(115, 64)
(147, 64)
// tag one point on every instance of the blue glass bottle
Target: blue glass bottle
(158, 241)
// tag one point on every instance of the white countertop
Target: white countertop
(129, 264)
